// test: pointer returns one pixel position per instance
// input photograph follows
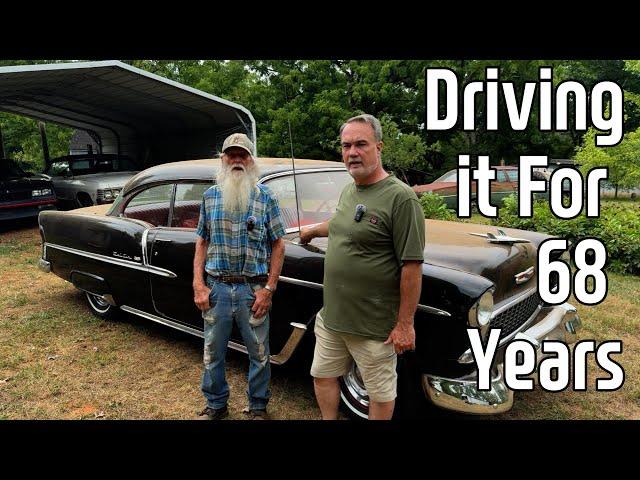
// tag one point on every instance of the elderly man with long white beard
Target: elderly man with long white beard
(240, 251)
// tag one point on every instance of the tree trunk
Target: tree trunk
(1, 144)
(45, 144)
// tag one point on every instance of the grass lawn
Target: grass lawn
(57, 361)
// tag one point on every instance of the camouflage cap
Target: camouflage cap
(239, 140)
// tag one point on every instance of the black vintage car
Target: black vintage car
(137, 255)
(23, 194)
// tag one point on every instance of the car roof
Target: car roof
(88, 155)
(205, 170)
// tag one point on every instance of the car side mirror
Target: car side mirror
(68, 173)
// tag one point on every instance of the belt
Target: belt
(241, 279)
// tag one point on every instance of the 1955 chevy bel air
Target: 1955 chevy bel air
(137, 255)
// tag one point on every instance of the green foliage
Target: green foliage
(314, 97)
(622, 160)
(434, 207)
(23, 144)
(618, 227)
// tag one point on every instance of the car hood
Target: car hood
(452, 245)
(24, 183)
(100, 180)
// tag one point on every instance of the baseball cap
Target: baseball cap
(239, 140)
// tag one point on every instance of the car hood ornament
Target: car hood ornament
(501, 237)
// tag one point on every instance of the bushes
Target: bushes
(618, 227)
(434, 207)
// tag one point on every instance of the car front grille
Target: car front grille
(514, 317)
(16, 196)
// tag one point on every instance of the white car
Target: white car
(91, 179)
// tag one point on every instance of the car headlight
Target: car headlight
(479, 317)
(41, 193)
(481, 311)
(107, 194)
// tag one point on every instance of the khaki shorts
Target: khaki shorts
(334, 353)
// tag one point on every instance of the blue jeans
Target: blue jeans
(231, 302)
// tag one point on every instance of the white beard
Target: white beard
(236, 186)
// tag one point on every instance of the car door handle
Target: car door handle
(163, 240)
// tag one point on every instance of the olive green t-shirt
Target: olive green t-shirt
(363, 262)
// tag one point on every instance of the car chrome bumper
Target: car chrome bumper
(44, 265)
(461, 394)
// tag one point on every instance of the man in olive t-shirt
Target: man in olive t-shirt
(372, 276)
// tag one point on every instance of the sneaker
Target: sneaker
(256, 414)
(214, 413)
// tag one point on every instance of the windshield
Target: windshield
(318, 195)
(451, 176)
(9, 169)
(89, 165)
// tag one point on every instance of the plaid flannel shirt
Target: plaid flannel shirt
(233, 249)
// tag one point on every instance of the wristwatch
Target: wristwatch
(272, 290)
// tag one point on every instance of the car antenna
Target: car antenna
(293, 163)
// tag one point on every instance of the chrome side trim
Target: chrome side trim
(163, 321)
(116, 261)
(303, 283)
(299, 330)
(434, 310)
(302, 172)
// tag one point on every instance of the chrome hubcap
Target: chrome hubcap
(356, 390)
(98, 302)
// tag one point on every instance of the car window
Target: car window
(318, 195)
(186, 208)
(151, 205)
(58, 168)
(451, 176)
(501, 176)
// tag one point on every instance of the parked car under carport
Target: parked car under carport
(23, 194)
(91, 179)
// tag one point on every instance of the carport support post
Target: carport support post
(45, 144)
(1, 144)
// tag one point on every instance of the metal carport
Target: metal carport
(126, 110)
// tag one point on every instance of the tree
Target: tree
(622, 160)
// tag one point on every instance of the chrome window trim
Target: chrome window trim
(116, 261)
(143, 245)
(302, 172)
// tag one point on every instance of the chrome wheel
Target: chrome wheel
(99, 306)
(353, 393)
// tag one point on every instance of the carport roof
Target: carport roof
(113, 98)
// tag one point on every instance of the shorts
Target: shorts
(335, 352)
